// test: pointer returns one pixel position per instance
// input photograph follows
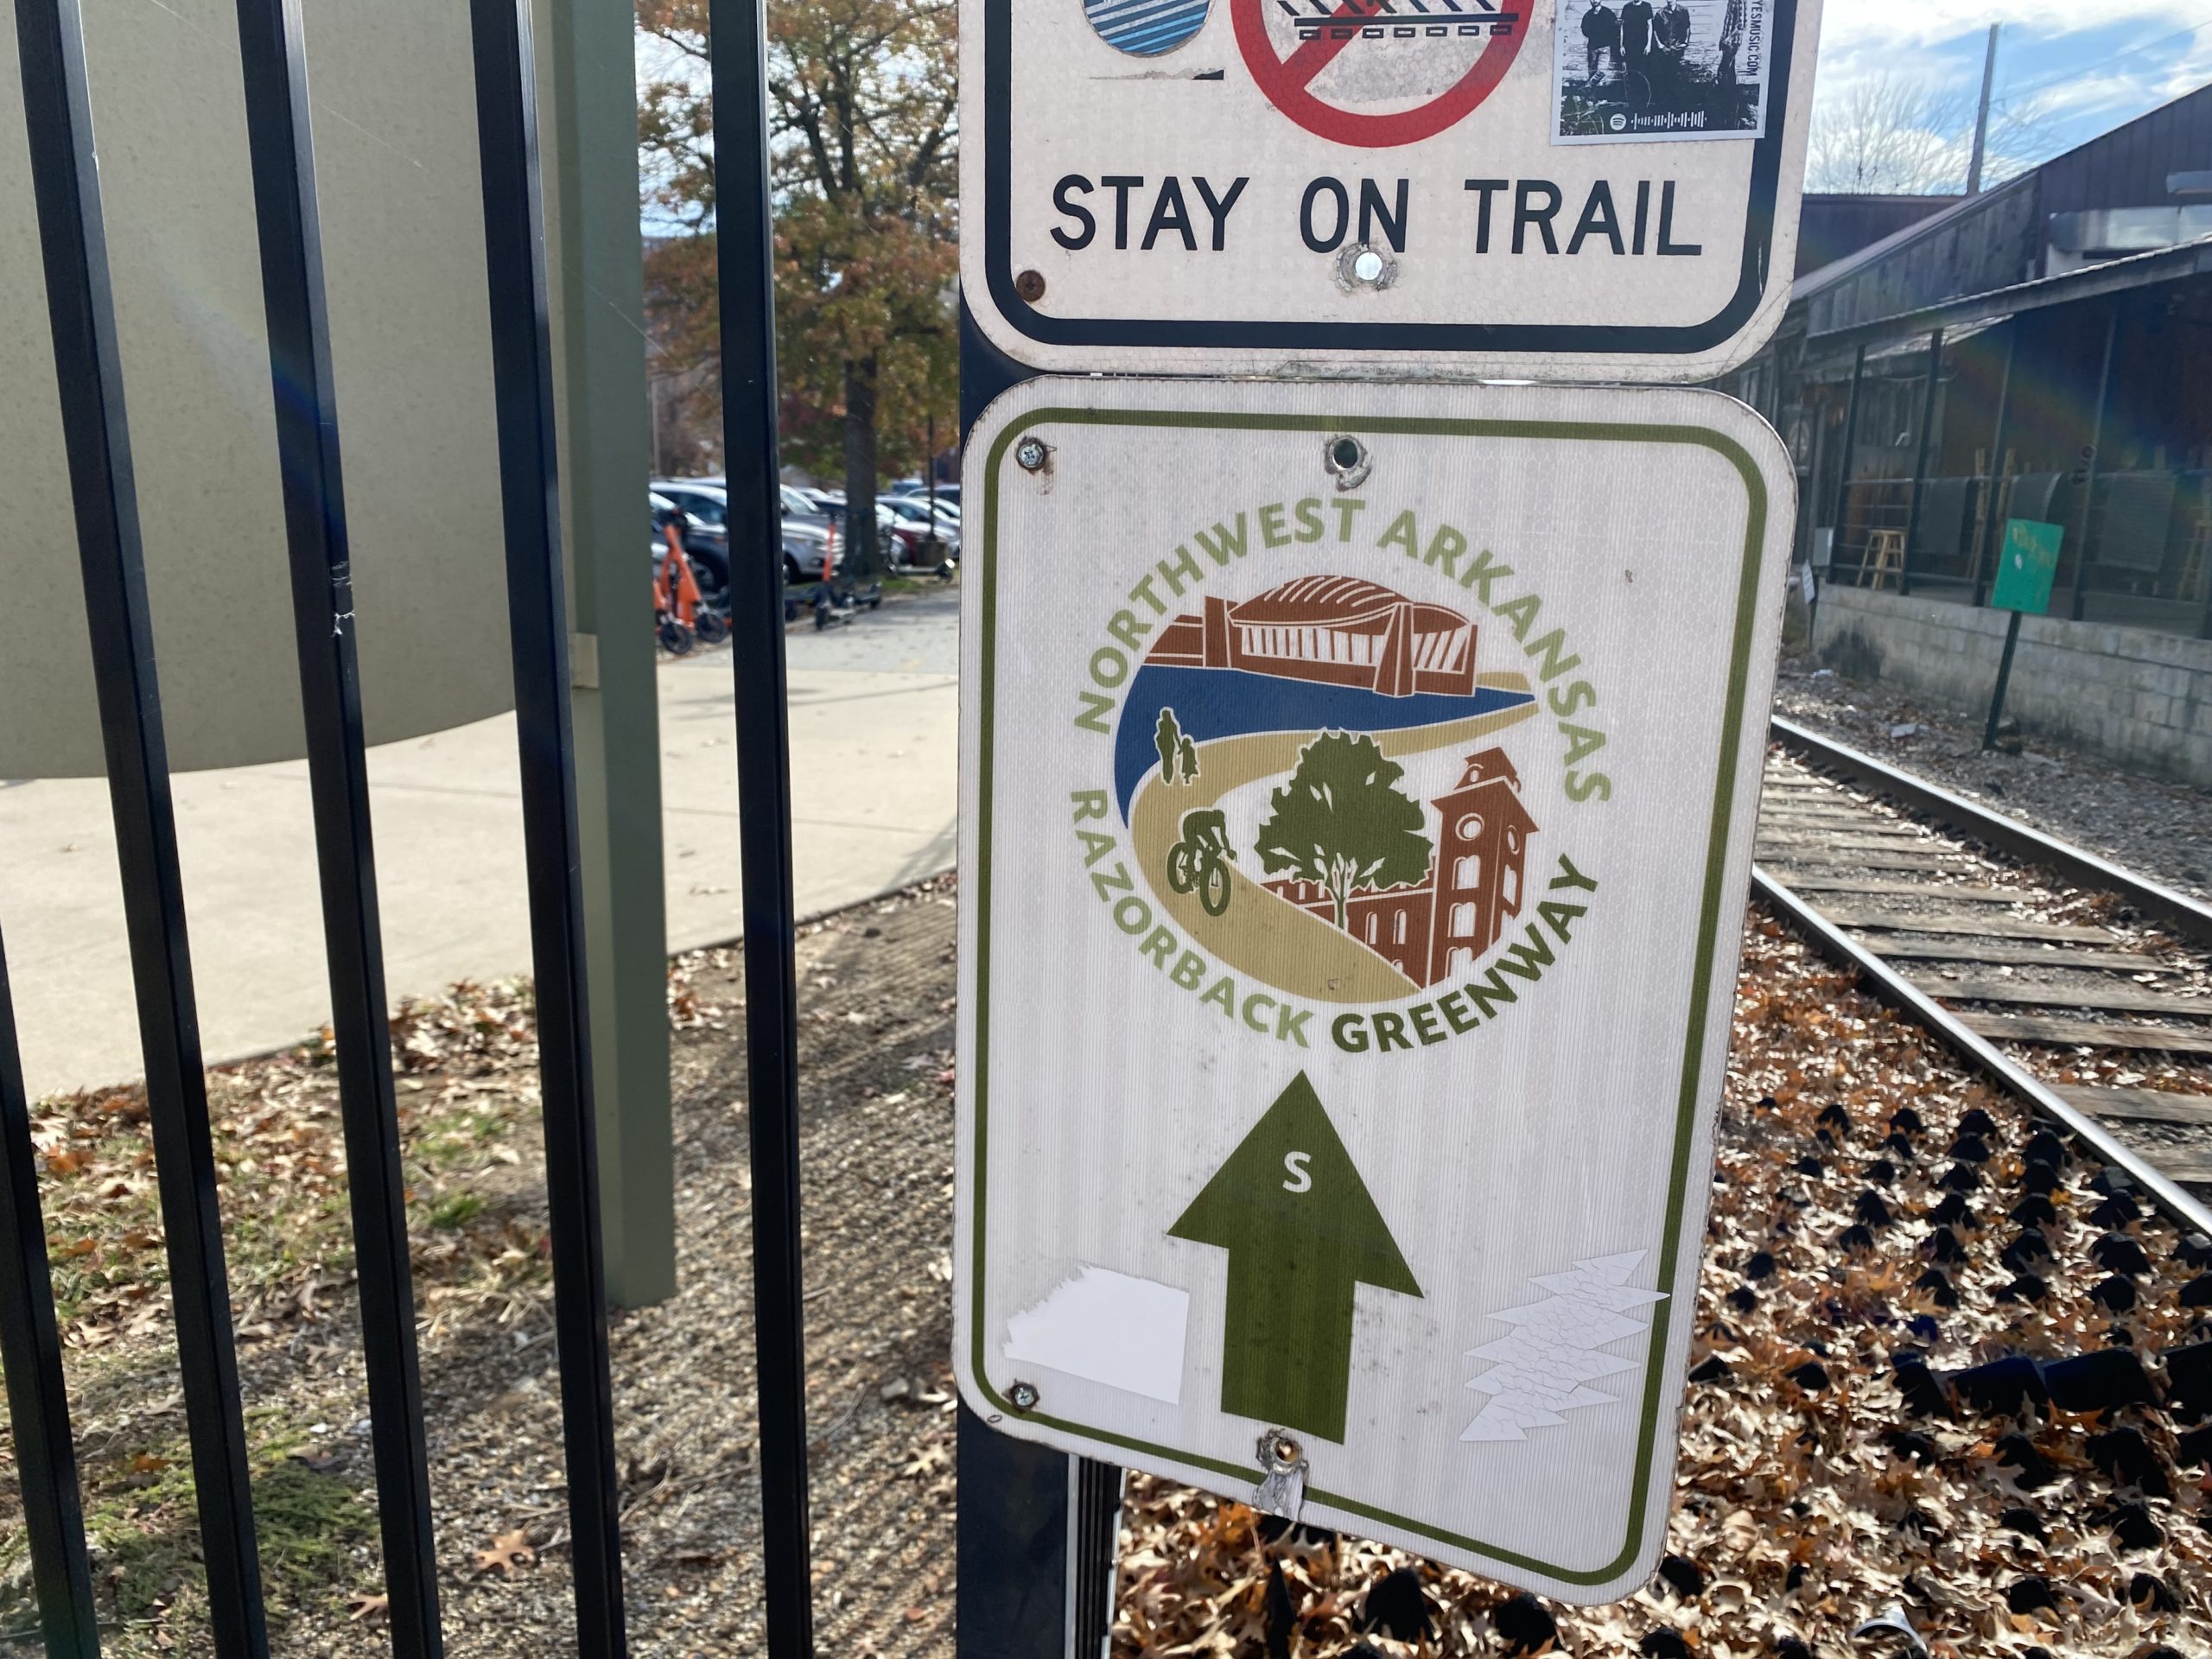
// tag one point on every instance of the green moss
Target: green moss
(143, 1523)
(456, 1208)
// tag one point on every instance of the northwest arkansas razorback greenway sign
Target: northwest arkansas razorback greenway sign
(1548, 188)
(1359, 792)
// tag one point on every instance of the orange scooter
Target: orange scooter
(681, 617)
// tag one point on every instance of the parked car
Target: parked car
(806, 531)
(706, 544)
(906, 543)
(947, 494)
(914, 510)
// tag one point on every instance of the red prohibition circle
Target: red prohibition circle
(1285, 80)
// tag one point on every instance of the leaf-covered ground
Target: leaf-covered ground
(1803, 1511)
(1835, 1468)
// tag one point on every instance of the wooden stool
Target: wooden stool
(1887, 548)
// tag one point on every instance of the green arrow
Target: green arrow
(1301, 1232)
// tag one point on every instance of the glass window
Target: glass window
(1510, 883)
(1463, 921)
(706, 508)
(1468, 872)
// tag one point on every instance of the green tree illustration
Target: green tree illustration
(1342, 823)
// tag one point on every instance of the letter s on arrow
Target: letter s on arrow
(1299, 1181)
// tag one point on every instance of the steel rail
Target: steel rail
(112, 556)
(1893, 988)
(2185, 915)
(281, 147)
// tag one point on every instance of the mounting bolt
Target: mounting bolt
(1362, 265)
(1032, 453)
(1287, 1452)
(1030, 285)
(1023, 1396)
(1349, 461)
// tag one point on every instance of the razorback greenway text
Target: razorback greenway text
(1435, 545)
(1460, 1010)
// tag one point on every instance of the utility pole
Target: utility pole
(1981, 118)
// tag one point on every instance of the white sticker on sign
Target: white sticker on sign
(1359, 790)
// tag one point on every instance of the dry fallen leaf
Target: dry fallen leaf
(508, 1551)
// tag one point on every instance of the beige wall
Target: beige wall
(403, 238)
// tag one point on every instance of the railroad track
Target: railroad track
(2080, 986)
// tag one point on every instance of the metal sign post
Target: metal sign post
(1400, 741)
(1593, 189)
(2027, 571)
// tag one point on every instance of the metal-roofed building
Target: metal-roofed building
(2042, 350)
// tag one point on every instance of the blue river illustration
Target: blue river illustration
(1216, 702)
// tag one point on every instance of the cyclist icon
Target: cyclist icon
(1199, 862)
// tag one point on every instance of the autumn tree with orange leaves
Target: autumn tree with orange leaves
(862, 128)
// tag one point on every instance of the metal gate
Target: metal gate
(1023, 1589)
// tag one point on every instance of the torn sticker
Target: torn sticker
(1108, 1327)
(1557, 1348)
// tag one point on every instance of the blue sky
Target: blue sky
(2084, 66)
(2067, 69)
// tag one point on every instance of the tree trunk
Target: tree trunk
(865, 558)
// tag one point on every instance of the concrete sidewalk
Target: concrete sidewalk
(875, 741)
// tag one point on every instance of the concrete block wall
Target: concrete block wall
(2140, 699)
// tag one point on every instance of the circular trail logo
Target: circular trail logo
(1317, 789)
(1376, 74)
(1147, 29)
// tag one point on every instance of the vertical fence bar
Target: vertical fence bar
(30, 1353)
(1849, 459)
(1992, 529)
(2077, 604)
(280, 140)
(88, 368)
(1920, 459)
(522, 370)
(739, 49)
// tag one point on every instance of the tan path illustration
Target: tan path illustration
(1262, 933)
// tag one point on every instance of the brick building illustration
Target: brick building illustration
(1334, 630)
(1441, 927)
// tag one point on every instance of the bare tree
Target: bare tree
(1889, 136)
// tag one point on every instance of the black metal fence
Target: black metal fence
(67, 188)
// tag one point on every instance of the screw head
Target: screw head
(1030, 285)
(1030, 455)
(1023, 1396)
(1286, 1452)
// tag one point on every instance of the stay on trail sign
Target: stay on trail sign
(1553, 189)
(1359, 790)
